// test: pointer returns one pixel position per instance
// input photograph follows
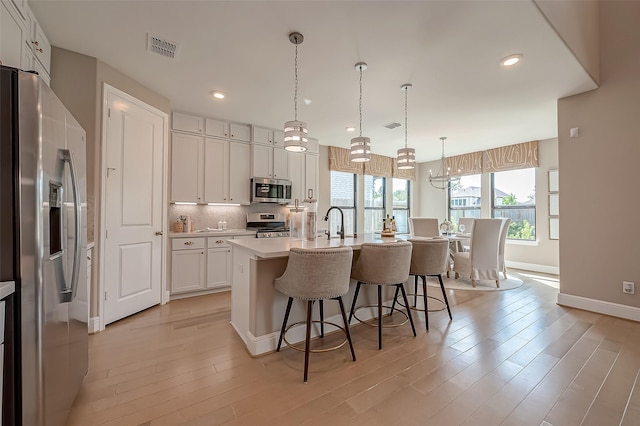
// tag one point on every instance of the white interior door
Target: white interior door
(134, 176)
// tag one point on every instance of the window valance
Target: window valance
(465, 164)
(519, 156)
(379, 165)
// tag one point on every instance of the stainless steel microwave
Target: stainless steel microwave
(264, 190)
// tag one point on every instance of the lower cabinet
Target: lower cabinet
(200, 264)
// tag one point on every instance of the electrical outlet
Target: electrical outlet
(628, 287)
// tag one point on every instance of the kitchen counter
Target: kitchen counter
(212, 233)
(257, 308)
(279, 247)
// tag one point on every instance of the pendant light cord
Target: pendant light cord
(406, 89)
(295, 95)
(360, 102)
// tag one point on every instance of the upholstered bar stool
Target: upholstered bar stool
(385, 264)
(316, 275)
(429, 258)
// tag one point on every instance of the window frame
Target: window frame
(355, 199)
(463, 207)
(371, 209)
(495, 209)
(408, 208)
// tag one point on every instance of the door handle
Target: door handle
(159, 233)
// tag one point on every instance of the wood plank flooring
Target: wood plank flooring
(509, 357)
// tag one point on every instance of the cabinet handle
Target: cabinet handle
(188, 243)
(88, 258)
(39, 50)
(35, 42)
(159, 233)
(219, 241)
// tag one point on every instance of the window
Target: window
(343, 195)
(401, 204)
(514, 196)
(465, 199)
(374, 195)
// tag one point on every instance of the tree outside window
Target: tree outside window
(514, 196)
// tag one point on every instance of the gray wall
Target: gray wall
(599, 171)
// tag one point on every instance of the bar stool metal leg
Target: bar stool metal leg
(380, 316)
(346, 327)
(444, 294)
(307, 340)
(353, 304)
(406, 303)
(415, 290)
(284, 323)
(321, 318)
(426, 308)
(393, 304)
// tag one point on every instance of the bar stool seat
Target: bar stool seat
(429, 258)
(316, 275)
(385, 264)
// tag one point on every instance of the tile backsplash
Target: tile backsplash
(208, 216)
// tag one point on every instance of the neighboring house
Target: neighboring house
(471, 197)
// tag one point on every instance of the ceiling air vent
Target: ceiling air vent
(162, 46)
(392, 125)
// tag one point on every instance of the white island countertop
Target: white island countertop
(279, 247)
(210, 232)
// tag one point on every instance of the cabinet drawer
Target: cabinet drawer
(218, 242)
(187, 243)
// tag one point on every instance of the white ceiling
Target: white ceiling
(448, 50)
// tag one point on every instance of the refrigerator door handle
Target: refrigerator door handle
(69, 293)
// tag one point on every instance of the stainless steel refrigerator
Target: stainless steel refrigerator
(43, 243)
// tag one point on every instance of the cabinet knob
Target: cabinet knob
(35, 42)
(159, 233)
(39, 50)
(219, 241)
(188, 243)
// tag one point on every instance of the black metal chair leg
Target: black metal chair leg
(393, 305)
(415, 290)
(424, 295)
(380, 315)
(308, 340)
(284, 323)
(321, 318)
(444, 294)
(406, 301)
(346, 327)
(353, 304)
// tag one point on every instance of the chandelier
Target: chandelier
(443, 178)
(360, 146)
(295, 132)
(406, 156)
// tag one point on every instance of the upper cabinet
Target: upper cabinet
(23, 44)
(262, 136)
(216, 128)
(187, 180)
(187, 123)
(240, 132)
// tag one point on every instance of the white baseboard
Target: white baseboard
(599, 306)
(165, 297)
(534, 267)
(94, 325)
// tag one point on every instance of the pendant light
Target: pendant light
(406, 156)
(443, 179)
(295, 132)
(360, 146)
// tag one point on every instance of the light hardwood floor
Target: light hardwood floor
(509, 357)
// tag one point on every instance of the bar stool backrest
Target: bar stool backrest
(315, 274)
(384, 263)
(429, 256)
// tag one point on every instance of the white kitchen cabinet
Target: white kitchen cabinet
(187, 168)
(313, 146)
(216, 128)
(187, 123)
(188, 265)
(240, 132)
(216, 171)
(269, 162)
(14, 36)
(39, 45)
(262, 135)
(278, 138)
(239, 173)
(218, 263)
(303, 173)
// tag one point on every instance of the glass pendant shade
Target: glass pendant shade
(295, 136)
(360, 149)
(406, 158)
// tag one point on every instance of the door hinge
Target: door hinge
(106, 233)
(105, 296)
(108, 112)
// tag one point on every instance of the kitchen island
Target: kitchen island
(257, 308)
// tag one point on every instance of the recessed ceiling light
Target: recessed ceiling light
(307, 101)
(350, 129)
(218, 95)
(511, 60)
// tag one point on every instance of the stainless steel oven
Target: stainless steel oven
(264, 190)
(268, 225)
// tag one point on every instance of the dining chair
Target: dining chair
(383, 265)
(424, 227)
(468, 224)
(481, 261)
(503, 237)
(316, 275)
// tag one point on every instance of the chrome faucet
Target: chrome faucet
(326, 218)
